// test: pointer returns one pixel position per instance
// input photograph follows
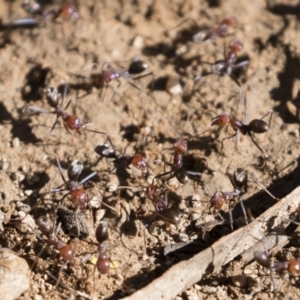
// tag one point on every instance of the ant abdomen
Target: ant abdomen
(106, 151)
(170, 215)
(102, 232)
(262, 258)
(137, 67)
(181, 175)
(52, 96)
(75, 169)
(258, 126)
(45, 225)
(239, 178)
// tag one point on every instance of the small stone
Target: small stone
(16, 142)
(138, 42)
(173, 86)
(27, 221)
(183, 237)
(14, 274)
(28, 192)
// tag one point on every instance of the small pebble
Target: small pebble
(138, 42)
(173, 85)
(16, 142)
(14, 275)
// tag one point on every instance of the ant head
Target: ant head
(201, 36)
(45, 225)
(182, 175)
(75, 169)
(69, 12)
(218, 68)
(137, 67)
(52, 96)
(221, 120)
(180, 145)
(106, 151)
(102, 232)
(216, 202)
(230, 21)
(294, 266)
(236, 45)
(239, 178)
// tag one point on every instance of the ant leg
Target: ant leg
(255, 143)
(87, 178)
(60, 170)
(270, 112)
(54, 124)
(184, 21)
(243, 209)
(263, 187)
(199, 77)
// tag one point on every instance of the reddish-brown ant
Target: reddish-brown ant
(182, 175)
(66, 252)
(103, 262)
(67, 11)
(213, 34)
(169, 215)
(255, 126)
(292, 266)
(154, 193)
(108, 151)
(109, 74)
(228, 65)
(71, 122)
(239, 181)
(75, 189)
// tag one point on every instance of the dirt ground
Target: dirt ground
(146, 120)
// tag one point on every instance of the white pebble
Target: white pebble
(14, 274)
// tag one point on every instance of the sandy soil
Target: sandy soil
(146, 120)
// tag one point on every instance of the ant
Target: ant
(292, 266)
(138, 160)
(74, 187)
(182, 175)
(228, 65)
(255, 126)
(103, 262)
(67, 11)
(212, 34)
(71, 122)
(239, 181)
(169, 215)
(154, 193)
(66, 252)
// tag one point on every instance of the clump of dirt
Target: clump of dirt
(145, 116)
